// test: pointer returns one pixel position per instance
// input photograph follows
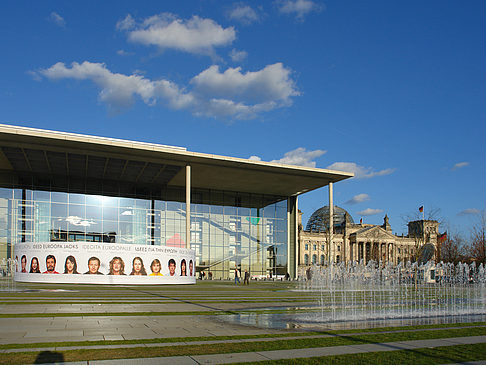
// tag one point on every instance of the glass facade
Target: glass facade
(228, 229)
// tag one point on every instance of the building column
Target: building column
(293, 236)
(331, 224)
(188, 206)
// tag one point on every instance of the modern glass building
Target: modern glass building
(64, 187)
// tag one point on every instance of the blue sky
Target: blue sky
(394, 91)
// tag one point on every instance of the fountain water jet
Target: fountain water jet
(7, 272)
(357, 292)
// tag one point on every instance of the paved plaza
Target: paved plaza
(48, 320)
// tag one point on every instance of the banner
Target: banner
(103, 263)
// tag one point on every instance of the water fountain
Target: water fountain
(7, 272)
(359, 295)
(356, 292)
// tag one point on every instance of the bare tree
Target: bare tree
(431, 214)
(478, 239)
(451, 249)
(419, 233)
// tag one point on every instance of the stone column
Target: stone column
(331, 225)
(188, 206)
(293, 237)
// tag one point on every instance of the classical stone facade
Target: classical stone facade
(356, 242)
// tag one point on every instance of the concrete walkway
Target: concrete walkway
(292, 354)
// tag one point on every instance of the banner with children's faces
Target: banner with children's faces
(103, 263)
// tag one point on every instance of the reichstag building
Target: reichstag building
(361, 241)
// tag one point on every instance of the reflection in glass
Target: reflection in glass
(76, 198)
(59, 210)
(76, 210)
(59, 197)
(223, 236)
(93, 212)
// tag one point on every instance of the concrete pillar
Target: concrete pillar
(188, 206)
(331, 225)
(293, 236)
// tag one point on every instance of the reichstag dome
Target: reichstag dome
(319, 220)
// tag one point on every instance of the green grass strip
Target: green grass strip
(425, 356)
(151, 340)
(116, 314)
(286, 344)
(153, 301)
(212, 312)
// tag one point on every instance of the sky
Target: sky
(393, 91)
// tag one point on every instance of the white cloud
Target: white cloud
(57, 19)
(126, 24)
(360, 198)
(244, 14)
(459, 165)
(35, 75)
(299, 8)
(300, 157)
(272, 84)
(230, 94)
(166, 31)
(238, 56)
(117, 90)
(370, 211)
(469, 211)
(122, 52)
(78, 221)
(360, 172)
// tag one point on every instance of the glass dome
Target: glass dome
(319, 220)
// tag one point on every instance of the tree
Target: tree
(451, 249)
(478, 239)
(431, 214)
(418, 229)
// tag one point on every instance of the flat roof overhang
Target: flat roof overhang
(41, 152)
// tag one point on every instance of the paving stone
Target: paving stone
(12, 335)
(175, 360)
(229, 358)
(467, 340)
(113, 337)
(373, 347)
